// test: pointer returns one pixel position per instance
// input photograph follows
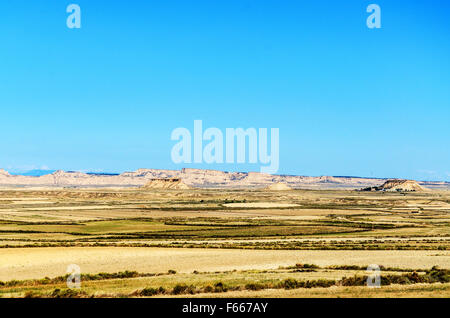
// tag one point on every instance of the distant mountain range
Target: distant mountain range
(40, 172)
(193, 178)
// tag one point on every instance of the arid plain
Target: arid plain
(147, 242)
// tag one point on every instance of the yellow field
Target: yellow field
(30, 263)
(221, 231)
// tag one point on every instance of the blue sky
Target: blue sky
(348, 100)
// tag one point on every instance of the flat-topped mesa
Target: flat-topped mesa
(166, 183)
(151, 173)
(3, 172)
(199, 178)
(70, 174)
(212, 173)
(400, 185)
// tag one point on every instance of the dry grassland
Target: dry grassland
(153, 231)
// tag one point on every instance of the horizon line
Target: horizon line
(51, 171)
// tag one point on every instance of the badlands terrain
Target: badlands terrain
(197, 178)
(197, 233)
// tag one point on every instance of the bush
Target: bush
(255, 286)
(183, 289)
(208, 289)
(290, 283)
(324, 283)
(347, 267)
(310, 266)
(220, 288)
(438, 275)
(354, 281)
(435, 275)
(32, 294)
(148, 292)
(402, 280)
(67, 293)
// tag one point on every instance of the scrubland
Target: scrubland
(223, 243)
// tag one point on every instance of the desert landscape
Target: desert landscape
(204, 233)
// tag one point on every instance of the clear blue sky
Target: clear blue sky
(348, 100)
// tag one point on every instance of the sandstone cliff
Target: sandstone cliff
(196, 178)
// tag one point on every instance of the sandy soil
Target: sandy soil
(26, 263)
(260, 205)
